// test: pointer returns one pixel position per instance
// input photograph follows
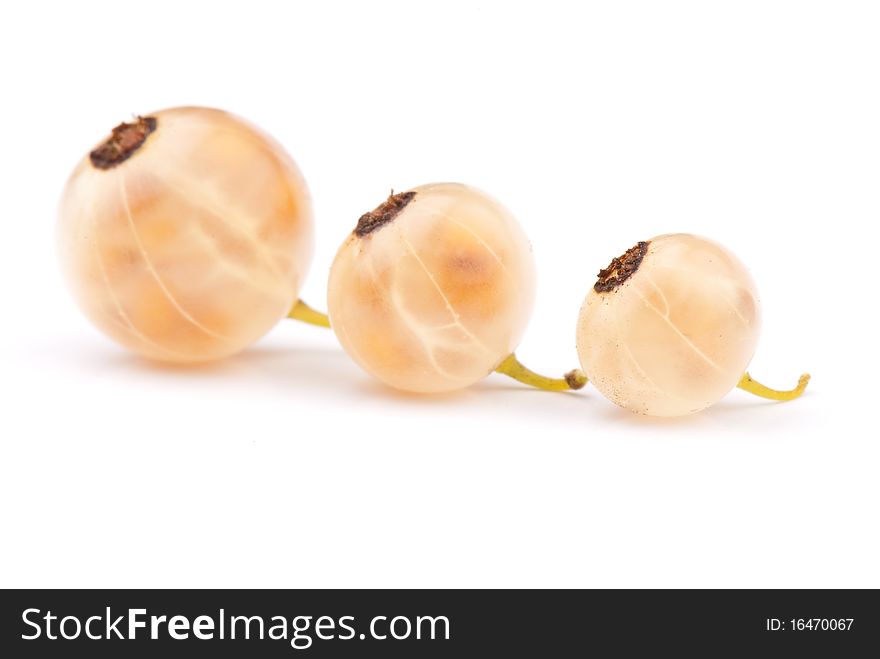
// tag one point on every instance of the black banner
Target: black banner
(446, 623)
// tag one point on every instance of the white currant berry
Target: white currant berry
(670, 327)
(433, 289)
(186, 235)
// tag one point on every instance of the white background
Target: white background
(598, 124)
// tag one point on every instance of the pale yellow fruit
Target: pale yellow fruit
(670, 327)
(187, 235)
(434, 288)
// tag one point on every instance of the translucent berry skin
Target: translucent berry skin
(678, 334)
(193, 247)
(436, 298)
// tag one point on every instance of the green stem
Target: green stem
(512, 367)
(303, 312)
(758, 389)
